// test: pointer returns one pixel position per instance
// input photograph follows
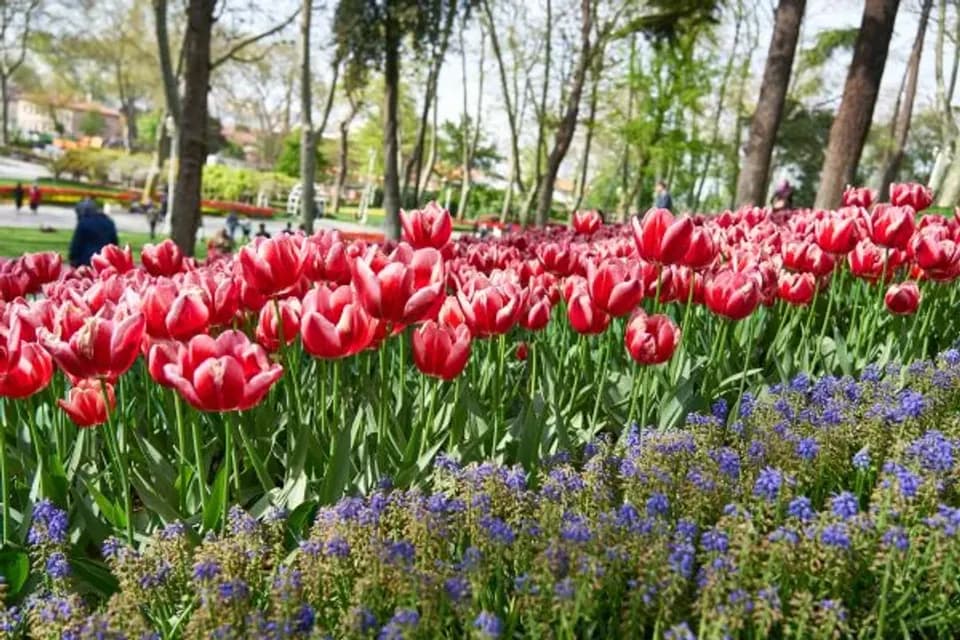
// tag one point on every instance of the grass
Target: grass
(15, 241)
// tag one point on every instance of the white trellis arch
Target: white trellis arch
(293, 200)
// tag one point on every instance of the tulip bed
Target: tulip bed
(307, 368)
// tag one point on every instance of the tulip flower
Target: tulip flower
(939, 258)
(797, 288)
(491, 308)
(732, 294)
(30, 373)
(560, 260)
(522, 352)
(536, 313)
(661, 238)
(221, 293)
(160, 354)
(427, 227)
(838, 234)
(14, 283)
(439, 351)
(916, 196)
(86, 405)
(408, 287)
(269, 331)
(172, 312)
(42, 268)
(612, 286)
(651, 339)
(858, 197)
(584, 317)
(903, 299)
(273, 266)
(867, 261)
(100, 348)
(227, 374)
(328, 258)
(112, 259)
(333, 324)
(892, 226)
(702, 250)
(587, 222)
(164, 259)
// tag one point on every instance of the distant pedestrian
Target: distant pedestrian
(288, 230)
(245, 228)
(232, 222)
(783, 196)
(163, 204)
(263, 233)
(154, 216)
(662, 199)
(18, 196)
(34, 197)
(94, 231)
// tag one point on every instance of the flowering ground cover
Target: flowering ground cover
(304, 369)
(824, 508)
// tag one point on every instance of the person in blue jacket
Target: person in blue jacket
(94, 231)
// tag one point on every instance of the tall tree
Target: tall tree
(470, 134)
(852, 122)
(344, 155)
(16, 24)
(755, 170)
(904, 114)
(308, 150)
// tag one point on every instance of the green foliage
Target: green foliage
(92, 123)
(288, 162)
(450, 146)
(799, 148)
(827, 43)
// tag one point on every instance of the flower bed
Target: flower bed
(827, 508)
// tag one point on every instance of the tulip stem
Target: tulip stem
(747, 352)
(675, 365)
(4, 487)
(823, 328)
(113, 446)
(498, 398)
(604, 354)
(182, 441)
(197, 451)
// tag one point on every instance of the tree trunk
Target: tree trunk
(852, 122)
(585, 159)
(470, 142)
(192, 128)
(414, 164)
(344, 154)
(755, 169)
(901, 128)
(4, 95)
(308, 153)
(568, 124)
(391, 177)
(170, 91)
(541, 115)
(159, 157)
(509, 105)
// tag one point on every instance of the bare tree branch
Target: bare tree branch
(246, 42)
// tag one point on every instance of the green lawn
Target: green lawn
(15, 241)
(375, 218)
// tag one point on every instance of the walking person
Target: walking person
(783, 196)
(94, 231)
(18, 196)
(662, 198)
(34, 197)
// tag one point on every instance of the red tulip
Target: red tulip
(586, 222)
(221, 293)
(441, 351)
(702, 251)
(613, 286)
(661, 238)
(732, 294)
(164, 259)
(938, 257)
(536, 312)
(268, 330)
(903, 299)
(558, 259)
(866, 261)
(227, 374)
(172, 312)
(892, 226)
(112, 259)
(31, 373)
(651, 339)
(912, 195)
(797, 288)
(491, 308)
(584, 317)
(333, 324)
(427, 227)
(451, 315)
(406, 290)
(273, 266)
(838, 234)
(160, 354)
(328, 258)
(858, 197)
(42, 268)
(85, 404)
(522, 352)
(14, 283)
(101, 348)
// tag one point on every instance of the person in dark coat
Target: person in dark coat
(34, 197)
(18, 196)
(94, 231)
(663, 199)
